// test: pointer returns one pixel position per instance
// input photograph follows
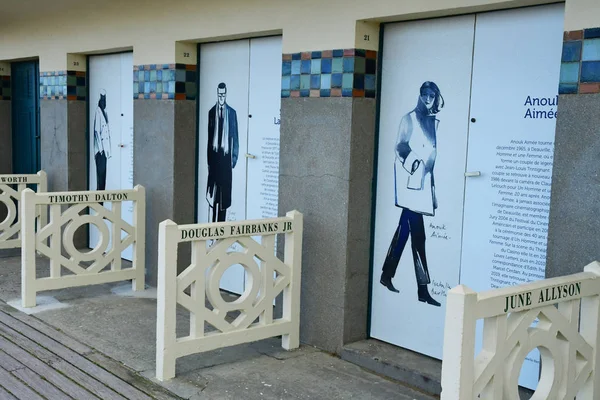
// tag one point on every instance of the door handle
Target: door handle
(473, 173)
(121, 145)
(248, 155)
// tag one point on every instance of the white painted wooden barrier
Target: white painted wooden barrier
(11, 187)
(200, 282)
(55, 239)
(567, 335)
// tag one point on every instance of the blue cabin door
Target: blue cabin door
(25, 117)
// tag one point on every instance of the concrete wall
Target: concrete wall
(574, 231)
(119, 25)
(165, 164)
(53, 132)
(330, 183)
(5, 137)
(77, 149)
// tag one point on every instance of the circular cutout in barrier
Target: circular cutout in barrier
(75, 224)
(245, 301)
(11, 211)
(551, 372)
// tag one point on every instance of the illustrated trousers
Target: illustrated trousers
(218, 214)
(100, 159)
(411, 223)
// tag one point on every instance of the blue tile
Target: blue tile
(159, 74)
(346, 92)
(315, 54)
(315, 81)
(146, 87)
(285, 83)
(347, 81)
(348, 64)
(141, 76)
(135, 76)
(153, 76)
(315, 66)
(591, 50)
(567, 88)
(569, 72)
(326, 66)
(285, 94)
(338, 53)
(590, 71)
(296, 67)
(159, 87)
(336, 81)
(152, 87)
(571, 51)
(325, 93)
(337, 65)
(171, 94)
(304, 82)
(359, 81)
(146, 76)
(180, 75)
(171, 87)
(140, 87)
(296, 56)
(370, 82)
(591, 33)
(295, 82)
(304, 93)
(326, 81)
(305, 67)
(152, 67)
(286, 68)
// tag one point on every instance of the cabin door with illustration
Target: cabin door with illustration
(110, 132)
(464, 165)
(239, 105)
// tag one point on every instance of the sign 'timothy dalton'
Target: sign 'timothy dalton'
(541, 296)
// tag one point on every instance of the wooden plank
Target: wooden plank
(40, 385)
(16, 387)
(23, 322)
(60, 379)
(4, 395)
(9, 363)
(21, 341)
(85, 365)
(157, 392)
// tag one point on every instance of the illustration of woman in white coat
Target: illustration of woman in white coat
(415, 187)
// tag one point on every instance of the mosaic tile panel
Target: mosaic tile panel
(53, 85)
(5, 93)
(331, 73)
(165, 81)
(580, 64)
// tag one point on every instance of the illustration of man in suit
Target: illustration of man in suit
(102, 144)
(222, 154)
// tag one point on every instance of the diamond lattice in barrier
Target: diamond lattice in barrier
(63, 230)
(567, 359)
(262, 285)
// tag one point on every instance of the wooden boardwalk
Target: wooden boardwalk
(39, 362)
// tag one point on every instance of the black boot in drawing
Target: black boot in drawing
(425, 297)
(387, 282)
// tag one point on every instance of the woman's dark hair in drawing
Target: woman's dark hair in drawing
(431, 89)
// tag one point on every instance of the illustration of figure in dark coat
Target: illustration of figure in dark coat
(416, 151)
(102, 143)
(222, 154)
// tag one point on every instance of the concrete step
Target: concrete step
(407, 367)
